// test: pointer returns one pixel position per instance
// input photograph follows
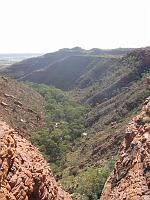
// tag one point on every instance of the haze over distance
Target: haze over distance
(31, 26)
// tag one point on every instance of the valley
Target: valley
(85, 99)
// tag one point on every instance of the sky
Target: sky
(41, 26)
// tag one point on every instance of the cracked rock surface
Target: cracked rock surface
(24, 174)
(130, 179)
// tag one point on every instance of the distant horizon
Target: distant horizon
(46, 26)
(41, 53)
(18, 53)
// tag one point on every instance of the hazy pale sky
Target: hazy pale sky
(48, 25)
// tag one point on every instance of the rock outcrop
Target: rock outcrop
(130, 179)
(24, 174)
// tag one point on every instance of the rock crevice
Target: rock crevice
(24, 174)
(130, 179)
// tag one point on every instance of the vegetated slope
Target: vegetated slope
(115, 88)
(106, 122)
(24, 174)
(126, 88)
(20, 106)
(117, 93)
(63, 68)
(62, 74)
(25, 67)
(121, 82)
(131, 176)
(65, 129)
(65, 125)
(113, 102)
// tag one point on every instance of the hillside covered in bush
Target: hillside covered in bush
(65, 123)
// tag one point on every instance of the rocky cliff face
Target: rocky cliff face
(24, 174)
(130, 179)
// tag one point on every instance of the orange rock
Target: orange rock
(130, 179)
(24, 173)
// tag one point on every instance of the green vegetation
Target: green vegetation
(115, 88)
(65, 124)
(88, 184)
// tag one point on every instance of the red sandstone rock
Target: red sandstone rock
(130, 179)
(24, 174)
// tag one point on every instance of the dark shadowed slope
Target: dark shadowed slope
(61, 66)
(62, 74)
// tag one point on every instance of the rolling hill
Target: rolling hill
(63, 68)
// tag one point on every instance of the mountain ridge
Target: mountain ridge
(25, 70)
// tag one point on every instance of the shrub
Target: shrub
(55, 140)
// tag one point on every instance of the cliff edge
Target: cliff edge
(130, 179)
(24, 174)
